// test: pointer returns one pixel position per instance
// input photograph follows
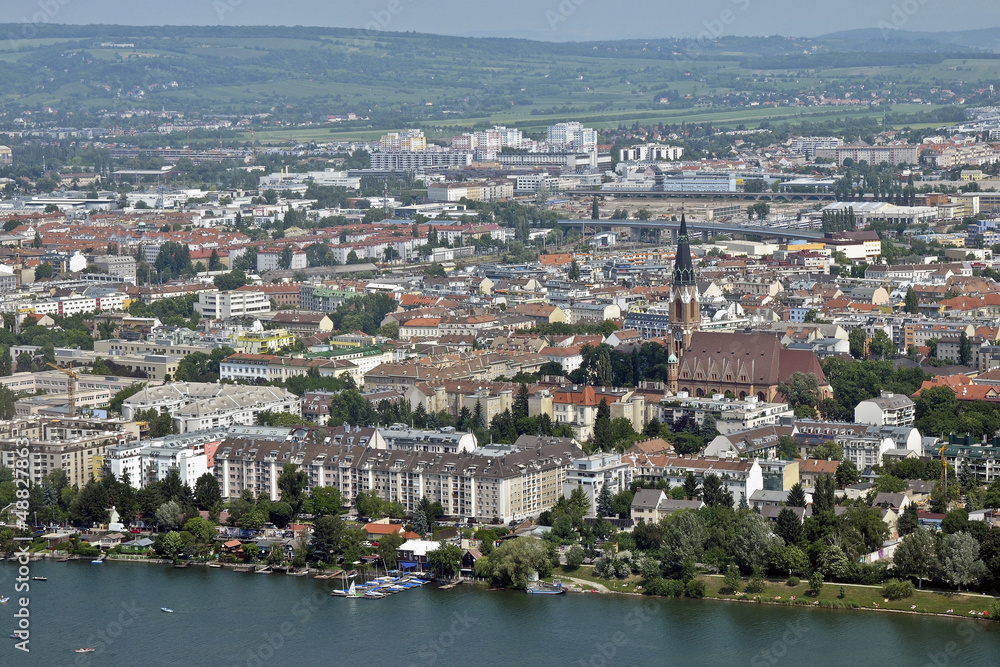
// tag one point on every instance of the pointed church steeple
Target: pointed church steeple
(683, 267)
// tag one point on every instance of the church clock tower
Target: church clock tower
(685, 311)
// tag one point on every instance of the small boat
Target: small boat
(40, 578)
(373, 595)
(98, 561)
(82, 650)
(214, 565)
(540, 589)
(167, 610)
(4, 599)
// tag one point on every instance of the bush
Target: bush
(674, 588)
(757, 582)
(792, 582)
(695, 589)
(574, 557)
(894, 589)
(816, 583)
(732, 582)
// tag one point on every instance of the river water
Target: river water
(248, 620)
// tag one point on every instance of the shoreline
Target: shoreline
(580, 586)
(584, 583)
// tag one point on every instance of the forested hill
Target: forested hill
(309, 73)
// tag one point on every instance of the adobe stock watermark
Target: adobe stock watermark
(714, 28)
(900, 16)
(562, 12)
(794, 633)
(111, 634)
(22, 617)
(270, 643)
(429, 652)
(613, 649)
(48, 10)
(950, 653)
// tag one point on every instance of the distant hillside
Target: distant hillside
(307, 74)
(877, 39)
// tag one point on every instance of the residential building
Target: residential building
(742, 477)
(197, 406)
(887, 409)
(499, 483)
(232, 304)
(595, 473)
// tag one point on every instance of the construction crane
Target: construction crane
(73, 377)
(944, 476)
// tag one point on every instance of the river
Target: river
(248, 620)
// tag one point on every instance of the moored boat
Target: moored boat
(83, 650)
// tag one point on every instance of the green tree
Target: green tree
(788, 526)
(206, 492)
(168, 515)
(574, 270)
(172, 544)
(715, 493)
(752, 541)
(916, 556)
(796, 496)
(6, 363)
(227, 282)
(830, 450)
(510, 564)
(856, 341)
(328, 533)
(801, 389)
(881, 346)
(323, 500)
(446, 560)
(911, 304)
(684, 537)
(816, 583)
(292, 482)
(731, 582)
(847, 473)
(960, 563)
(964, 350)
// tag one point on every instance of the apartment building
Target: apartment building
(887, 409)
(492, 483)
(149, 461)
(197, 406)
(75, 446)
(228, 305)
(595, 473)
(742, 477)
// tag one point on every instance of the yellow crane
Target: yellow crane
(73, 377)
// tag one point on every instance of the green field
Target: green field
(855, 597)
(290, 76)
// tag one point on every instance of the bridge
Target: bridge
(736, 196)
(706, 229)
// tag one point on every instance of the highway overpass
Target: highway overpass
(706, 229)
(736, 196)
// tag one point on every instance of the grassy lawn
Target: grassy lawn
(855, 597)
(863, 597)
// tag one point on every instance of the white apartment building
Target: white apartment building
(151, 461)
(573, 136)
(269, 261)
(651, 152)
(236, 303)
(888, 409)
(594, 473)
(742, 477)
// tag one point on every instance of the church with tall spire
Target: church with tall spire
(685, 310)
(743, 364)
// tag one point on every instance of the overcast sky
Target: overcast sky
(556, 20)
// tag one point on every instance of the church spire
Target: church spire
(683, 268)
